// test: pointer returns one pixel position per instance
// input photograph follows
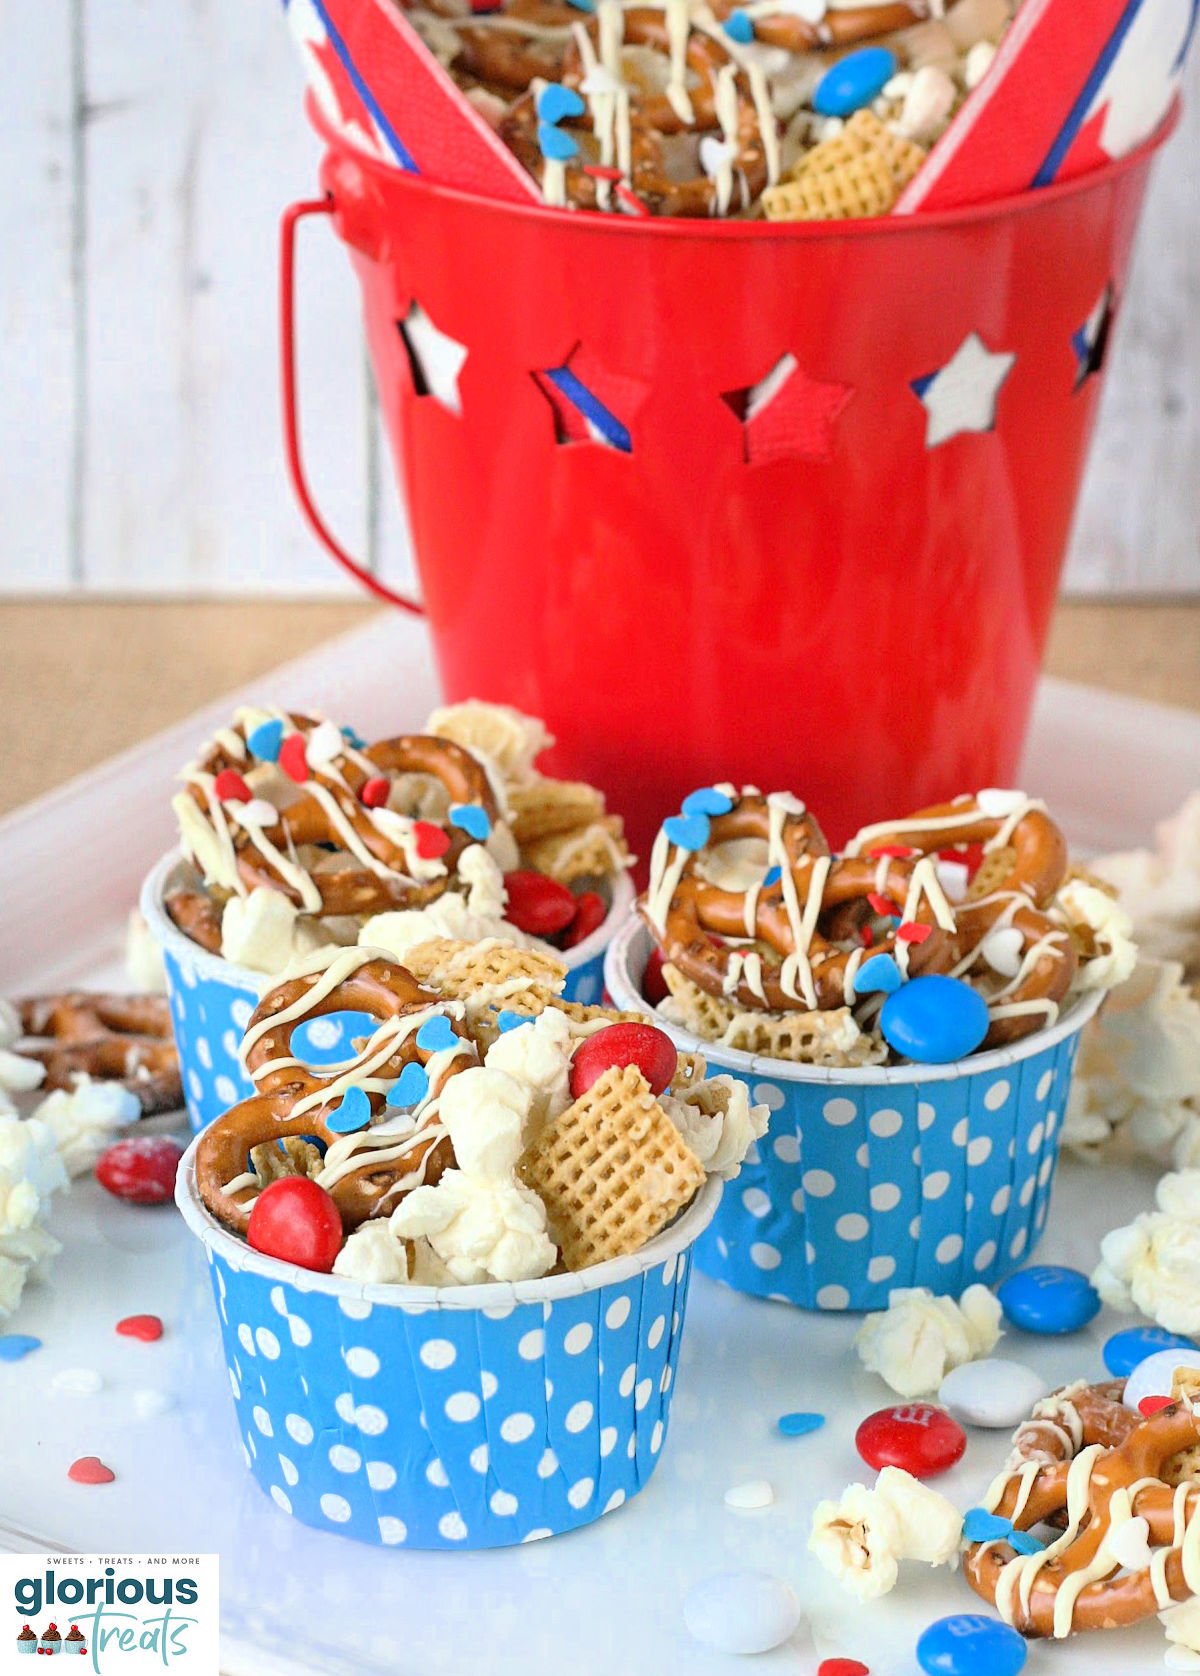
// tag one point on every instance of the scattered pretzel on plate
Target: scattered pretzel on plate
(1130, 1543)
(111, 1038)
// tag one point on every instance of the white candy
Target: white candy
(1152, 1378)
(992, 1393)
(1002, 950)
(78, 1382)
(749, 1497)
(998, 804)
(741, 1612)
(149, 1403)
(325, 742)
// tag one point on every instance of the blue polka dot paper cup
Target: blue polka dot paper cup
(212, 999)
(450, 1417)
(882, 1176)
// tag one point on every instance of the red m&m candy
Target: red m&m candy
(140, 1170)
(642, 1045)
(654, 985)
(590, 914)
(537, 903)
(917, 1437)
(374, 793)
(297, 1221)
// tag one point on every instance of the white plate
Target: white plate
(606, 1599)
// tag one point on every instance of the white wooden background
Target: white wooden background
(146, 148)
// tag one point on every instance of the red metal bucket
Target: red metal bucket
(844, 589)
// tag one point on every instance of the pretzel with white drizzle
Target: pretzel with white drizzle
(293, 1099)
(327, 811)
(1019, 898)
(700, 915)
(654, 119)
(1077, 1582)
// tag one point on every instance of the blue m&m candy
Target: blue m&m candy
(1125, 1351)
(934, 1020)
(854, 81)
(971, 1645)
(1049, 1300)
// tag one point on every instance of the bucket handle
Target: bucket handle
(291, 218)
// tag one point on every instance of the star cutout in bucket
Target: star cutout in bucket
(1090, 342)
(435, 357)
(788, 414)
(962, 395)
(591, 403)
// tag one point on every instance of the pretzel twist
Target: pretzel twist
(373, 844)
(1016, 897)
(112, 1038)
(1077, 1582)
(836, 29)
(294, 1099)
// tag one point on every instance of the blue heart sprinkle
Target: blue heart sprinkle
(266, 740)
(410, 1087)
(739, 27)
(981, 1526)
(772, 877)
(1022, 1543)
(436, 1034)
(354, 740)
(555, 102)
(556, 144)
(878, 976)
(353, 1114)
(707, 801)
(799, 1425)
(508, 1020)
(689, 832)
(583, 5)
(15, 1345)
(471, 819)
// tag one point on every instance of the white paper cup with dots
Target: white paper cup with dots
(211, 998)
(881, 1176)
(454, 1416)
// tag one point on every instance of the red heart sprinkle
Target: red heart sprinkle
(376, 792)
(90, 1469)
(842, 1667)
(590, 914)
(1154, 1405)
(292, 758)
(914, 932)
(883, 904)
(431, 841)
(600, 171)
(894, 852)
(145, 1327)
(866, 936)
(231, 788)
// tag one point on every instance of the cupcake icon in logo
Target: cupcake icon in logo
(27, 1641)
(75, 1642)
(51, 1640)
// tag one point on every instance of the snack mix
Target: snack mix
(817, 111)
(299, 836)
(486, 1130)
(958, 927)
